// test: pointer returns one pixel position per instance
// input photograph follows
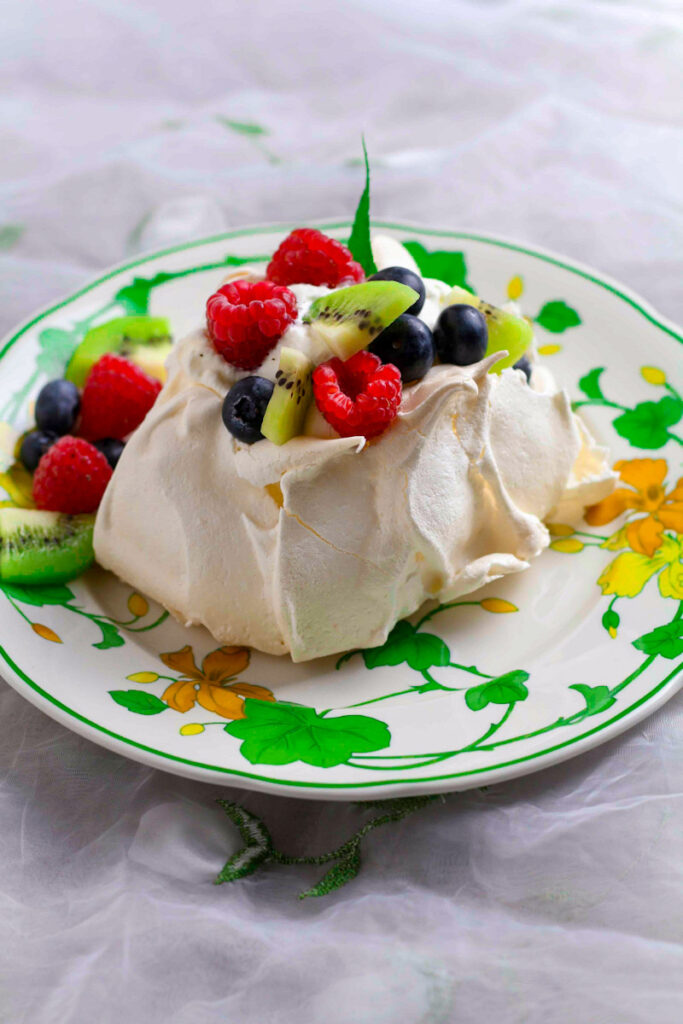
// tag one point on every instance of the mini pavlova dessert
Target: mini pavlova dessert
(328, 452)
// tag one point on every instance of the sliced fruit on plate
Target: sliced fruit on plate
(347, 320)
(43, 547)
(288, 405)
(507, 332)
(145, 340)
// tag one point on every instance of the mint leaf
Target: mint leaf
(506, 689)
(665, 640)
(359, 242)
(280, 733)
(597, 698)
(139, 702)
(557, 317)
(590, 384)
(446, 266)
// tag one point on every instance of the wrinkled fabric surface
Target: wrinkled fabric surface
(555, 898)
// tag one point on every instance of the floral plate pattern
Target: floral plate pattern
(529, 671)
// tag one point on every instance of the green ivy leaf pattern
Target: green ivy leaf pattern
(359, 240)
(506, 689)
(590, 384)
(345, 870)
(242, 127)
(597, 698)
(646, 426)
(257, 844)
(138, 701)
(280, 733)
(665, 640)
(134, 297)
(421, 651)
(110, 636)
(10, 235)
(56, 593)
(446, 266)
(56, 348)
(558, 317)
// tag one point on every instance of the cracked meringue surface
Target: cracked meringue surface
(322, 544)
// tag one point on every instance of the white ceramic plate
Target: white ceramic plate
(533, 670)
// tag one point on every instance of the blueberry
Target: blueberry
(245, 406)
(408, 344)
(404, 276)
(57, 406)
(524, 365)
(461, 335)
(111, 449)
(34, 446)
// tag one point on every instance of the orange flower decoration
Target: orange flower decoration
(210, 686)
(645, 493)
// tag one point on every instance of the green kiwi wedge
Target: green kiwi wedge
(286, 411)
(145, 340)
(507, 332)
(43, 547)
(350, 318)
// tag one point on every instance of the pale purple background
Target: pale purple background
(551, 900)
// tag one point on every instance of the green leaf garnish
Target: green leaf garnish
(359, 242)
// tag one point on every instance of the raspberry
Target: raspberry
(116, 398)
(71, 477)
(360, 396)
(246, 319)
(308, 256)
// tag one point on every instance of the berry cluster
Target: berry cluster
(71, 472)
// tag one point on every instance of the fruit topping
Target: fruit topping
(291, 397)
(507, 332)
(349, 319)
(246, 319)
(360, 396)
(244, 407)
(34, 446)
(71, 477)
(404, 276)
(57, 407)
(116, 398)
(145, 340)
(111, 448)
(307, 256)
(43, 547)
(461, 335)
(408, 344)
(524, 364)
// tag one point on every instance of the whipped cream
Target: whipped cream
(322, 544)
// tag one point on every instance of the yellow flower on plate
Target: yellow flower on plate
(498, 605)
(549, 350)
(45, 632)
(143, 677)
(567, 545)
(560, 529)
(515, 287)
(653, 375)
(630, 571)
(211, 686)
(191, 729)
(645, 493)
(137, 605)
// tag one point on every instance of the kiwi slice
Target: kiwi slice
(43, 547)
(145, 340)
(347, 320)
(507, 332)
(286, 411)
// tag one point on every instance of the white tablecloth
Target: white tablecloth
(556, 898)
